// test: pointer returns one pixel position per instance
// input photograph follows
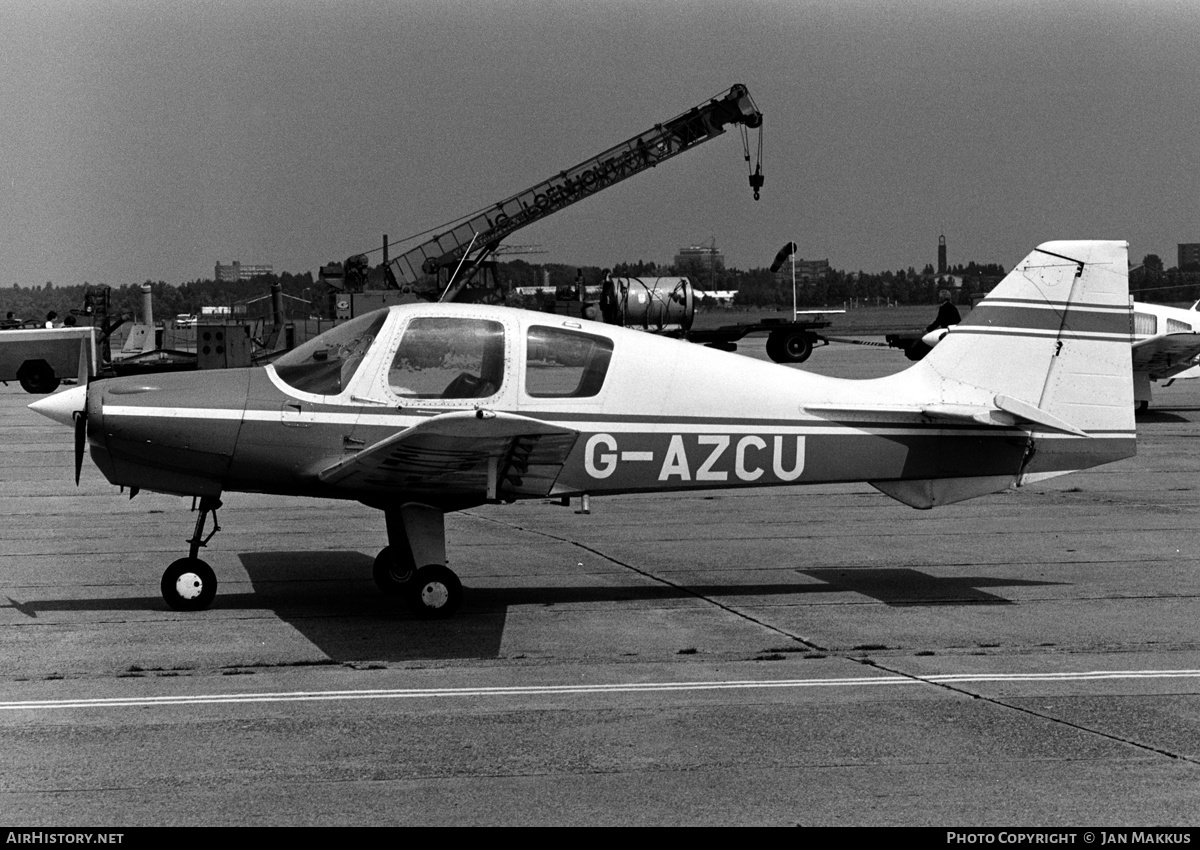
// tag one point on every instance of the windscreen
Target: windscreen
(325, 364)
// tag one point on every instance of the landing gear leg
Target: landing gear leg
(190, 584)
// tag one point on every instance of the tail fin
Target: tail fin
(1050, 350)
(1054, 334)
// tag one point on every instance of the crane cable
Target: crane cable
(756, 176)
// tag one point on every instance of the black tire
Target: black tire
(393, 576)
(189, 584)
(37, 377)
(435, 592)
(789, 347)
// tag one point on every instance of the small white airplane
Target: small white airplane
(424, 409)
(1166, 346)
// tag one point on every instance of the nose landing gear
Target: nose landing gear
(190, 584)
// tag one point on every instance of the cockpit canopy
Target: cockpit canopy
(451, 356)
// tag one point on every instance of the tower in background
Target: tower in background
(942, 254)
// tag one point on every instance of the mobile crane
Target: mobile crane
(441, 267)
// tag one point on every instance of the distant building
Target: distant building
(724, 297)
(1188, 253)
(236, 271)
(706, 257)
(806, 271)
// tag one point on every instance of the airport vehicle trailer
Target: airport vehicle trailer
(39, 358)
(787, 341)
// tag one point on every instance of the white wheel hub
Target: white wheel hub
(189, 586)
(434, 595)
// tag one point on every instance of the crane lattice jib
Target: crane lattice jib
(486, 229)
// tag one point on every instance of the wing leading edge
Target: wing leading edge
(464, 454)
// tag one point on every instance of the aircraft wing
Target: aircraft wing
(461, 454)
(1166, 354)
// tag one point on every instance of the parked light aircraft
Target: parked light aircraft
(1166, 347)
(423, 409)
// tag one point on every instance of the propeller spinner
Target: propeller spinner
(69, 408)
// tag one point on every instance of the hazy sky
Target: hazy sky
(148, 140)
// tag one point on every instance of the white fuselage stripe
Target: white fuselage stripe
(400, 421)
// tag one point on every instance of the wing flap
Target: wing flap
(462, 454)
(1166, 354)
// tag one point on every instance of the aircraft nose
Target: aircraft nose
(61, 407)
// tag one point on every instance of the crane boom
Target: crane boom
(482, 232)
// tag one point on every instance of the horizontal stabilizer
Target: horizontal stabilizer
(1007, 412)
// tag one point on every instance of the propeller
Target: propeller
(80, 417)
(69, 407)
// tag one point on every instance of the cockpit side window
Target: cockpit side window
(561, 363)
(326, 364)
(447, 358)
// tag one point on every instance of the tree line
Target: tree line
(33, 303)
(759, 288)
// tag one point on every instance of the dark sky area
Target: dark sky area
(148, 140)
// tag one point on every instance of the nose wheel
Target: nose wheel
(189, 584)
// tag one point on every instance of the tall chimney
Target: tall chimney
(147, 304)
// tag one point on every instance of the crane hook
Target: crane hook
(756, 180)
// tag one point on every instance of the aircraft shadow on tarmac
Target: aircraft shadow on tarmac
(903, 586)
(1164, 415)
(330, 598)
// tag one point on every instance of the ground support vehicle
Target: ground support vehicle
(39, 358)
(787, 341)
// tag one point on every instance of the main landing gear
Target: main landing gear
(416, 535)
(189, 584)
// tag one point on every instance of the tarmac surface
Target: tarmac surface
(796, 656)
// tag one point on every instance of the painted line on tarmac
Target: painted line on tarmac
(556, 690)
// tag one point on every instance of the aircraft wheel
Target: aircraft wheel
(189, 584)
(37, 377)
(435, 591)
(793, 347)
(392, 575)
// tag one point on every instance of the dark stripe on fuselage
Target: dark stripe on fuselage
(1072, 320)
(1055, 305)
